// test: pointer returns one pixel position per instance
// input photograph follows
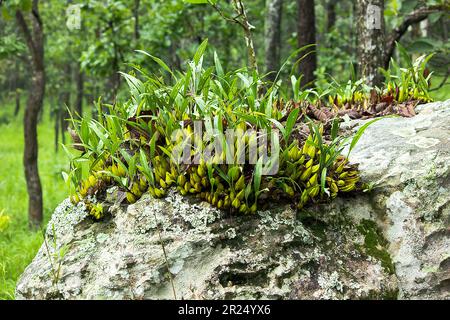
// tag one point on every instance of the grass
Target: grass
(18, 245)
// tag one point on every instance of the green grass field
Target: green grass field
(18, 245)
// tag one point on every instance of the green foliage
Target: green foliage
(55, 255)
(197, 1)
(133, 146)
(411, 82)
(10, 6)
(106, 41)
(108, 48)
(11, 45)
(353, 92)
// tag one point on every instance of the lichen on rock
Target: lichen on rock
(392, 242)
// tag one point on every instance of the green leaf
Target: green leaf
(334, 129)
(158, 61)
(279, 126)
(146, 167)
(65, 176)
(196, 1)
(258, 175)
(218, 65)
(84, 131)
(292, 119)
(222, 174)
(136, 85)
(201, 49)
(153, 144)
(296, 86)
(6, 14)
(244, 79)
(421, 45)
(248, 190)
(168, 153)
(201, 1)
(434, 17)
(25, 5)
(404, 54)
(96, 127)
(323, 178)
(132, 166)
(359, 134)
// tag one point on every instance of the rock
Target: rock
(209, 256)
(391, 242)
(409, 159)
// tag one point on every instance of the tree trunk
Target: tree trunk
(62, 116)
(371, 40)
(444, 26)
(57, 116)
(66, 102)
(174, 57)
(80, 91)
(115, 76)
(247, 27)
(331, 14)
(17, 109)
(136, 19)
(273, 37)
(35, 42)
(30, 158)
(417, 16)
(17, 90)
(306, 34)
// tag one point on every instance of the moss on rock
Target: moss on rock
(375, 244)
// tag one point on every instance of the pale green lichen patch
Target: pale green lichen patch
(404, 132)
(423, 142)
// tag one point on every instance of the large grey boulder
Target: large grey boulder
(391, 242)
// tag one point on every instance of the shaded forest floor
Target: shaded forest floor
(18, 245)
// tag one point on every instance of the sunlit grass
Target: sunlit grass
(18, 245)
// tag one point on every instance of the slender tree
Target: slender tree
(273, 36)
(57, 115)
(137, 34)
(17, 89)
(413, 18)
(370, 40)
(306, 35)
(242, 20)
(34, 38)
(331, 14)
(66, 99)
(79, 81)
